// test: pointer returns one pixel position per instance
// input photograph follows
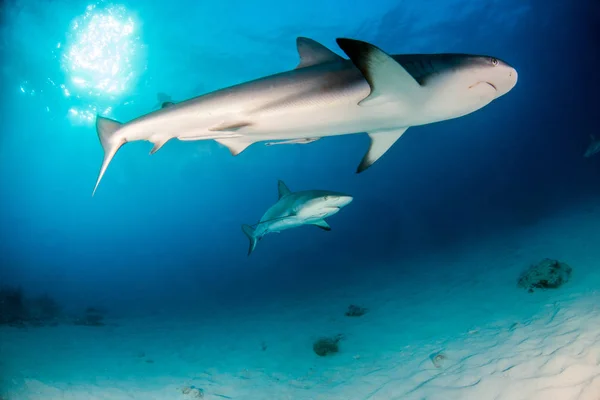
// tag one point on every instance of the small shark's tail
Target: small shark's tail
(106, 129)
(249, 231)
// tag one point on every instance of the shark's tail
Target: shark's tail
(249, 231)
(106, 129)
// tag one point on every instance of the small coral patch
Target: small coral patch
(355, 311)
(327, 345)
(547, 274)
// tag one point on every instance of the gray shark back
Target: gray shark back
(423, 67)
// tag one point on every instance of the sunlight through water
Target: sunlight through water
(100, 57)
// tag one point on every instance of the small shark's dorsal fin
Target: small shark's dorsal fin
(283, 189)
(381, 141)
(312, 53)
(389, 81)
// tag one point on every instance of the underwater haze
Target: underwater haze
(421, 287)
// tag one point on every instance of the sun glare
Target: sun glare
(99, 55)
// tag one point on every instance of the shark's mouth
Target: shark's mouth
(492, 85)
(484, 82)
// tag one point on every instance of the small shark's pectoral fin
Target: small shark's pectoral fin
(323, 225)
(230, 126)
(167, 104)
(313, 53)
(235, 145)
(282, 189)
(381, 141)
(389, 81)
(158, 144)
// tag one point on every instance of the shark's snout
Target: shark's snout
(345, 200)
(513, 76)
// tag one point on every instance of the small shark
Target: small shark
(593, 148)
(294, 141)
(294, 209)
(325, 95)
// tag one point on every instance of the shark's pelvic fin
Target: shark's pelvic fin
(389, 81)
(282, 189)
(158, 144)
(323, 225)
(249, 231)
(106, 129)
(230, 126)
(235, 145)
(312, 53)
(381, 141)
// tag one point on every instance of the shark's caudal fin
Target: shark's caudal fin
(389, 81)
(249, 231)
(106, 129)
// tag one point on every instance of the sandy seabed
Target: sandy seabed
(496, 341)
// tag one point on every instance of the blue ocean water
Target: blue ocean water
(163, 232)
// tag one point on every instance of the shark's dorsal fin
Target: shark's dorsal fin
(381, 141)
(312, 53)
(389, 81)
(282, 189)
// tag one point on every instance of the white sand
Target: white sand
(500, 342)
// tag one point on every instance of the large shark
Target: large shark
(325, 95)
(593, 148)
(294, 209)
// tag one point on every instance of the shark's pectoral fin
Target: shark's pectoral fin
(323, 225)
(389, 81)
(313, 53)
(381, 141)
(230, 126)
(235, 145)
(158, 144)
(167, 104)
(282, 189)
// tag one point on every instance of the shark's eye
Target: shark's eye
(494, 61)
